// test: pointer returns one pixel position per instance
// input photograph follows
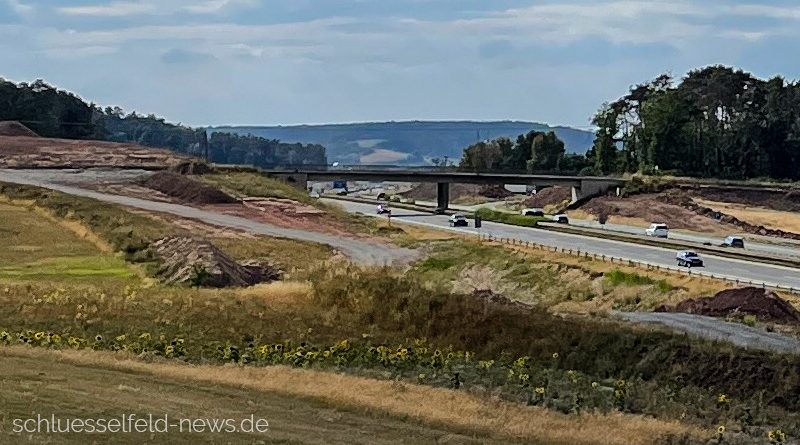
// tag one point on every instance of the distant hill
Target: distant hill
(413, 142)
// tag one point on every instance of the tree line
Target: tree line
(55, 113)
(715, 122)
(534, 152)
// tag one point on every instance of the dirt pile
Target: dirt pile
(549, 196)
(775, 199)
(427, 191)
(14, 128)
(200, 263)
(764, 305)
(38, 152)
(187, 189)
(682, 199)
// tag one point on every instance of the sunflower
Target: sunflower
(721, 429)
(539, 390)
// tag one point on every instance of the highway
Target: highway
(731, 268)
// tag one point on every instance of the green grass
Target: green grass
(36, 248)
(508, 218)
(75, 267)
(617, 277)
(126, 232)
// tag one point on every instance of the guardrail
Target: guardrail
(632, 263)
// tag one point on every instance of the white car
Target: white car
(658, 230)
(531, 212)
(458, 220)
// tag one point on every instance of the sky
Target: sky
(250, 62)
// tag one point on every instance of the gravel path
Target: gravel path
(362, 252)
(716, 329)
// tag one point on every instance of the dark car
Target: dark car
(687, 258)
(561, 219)
(532, 212)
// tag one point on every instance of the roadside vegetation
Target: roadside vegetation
(559, 282)
(508, 218)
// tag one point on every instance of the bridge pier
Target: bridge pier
(590, 188)
(442, 195)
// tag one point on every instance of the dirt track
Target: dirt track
(716, 329)
(360, 251)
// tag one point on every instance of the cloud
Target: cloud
(114, 9)
(20, 8)
(183, 57)
(216, 6)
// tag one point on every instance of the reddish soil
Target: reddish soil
(36, 152)
(187, 189)
(549, 196)
(764, 305)
(285, 213)
(14, 128)
(782, 200)
(683, 200)
(650, 207)
(427, 191)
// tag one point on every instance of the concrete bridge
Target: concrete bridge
(582, 186)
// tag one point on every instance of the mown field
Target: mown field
(416, 350)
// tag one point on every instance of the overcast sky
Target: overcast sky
(212, 62)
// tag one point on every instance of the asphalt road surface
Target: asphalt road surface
(731, 268)
(359, 251)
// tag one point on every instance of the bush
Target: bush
(508, 218)
(617, 277)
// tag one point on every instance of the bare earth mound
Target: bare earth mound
(187, 189)
(198, 262)
(764, 305)
(37, 152)
(427, 191)
(651, 208)
(14, 128)
(549, 196)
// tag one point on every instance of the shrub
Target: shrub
(508, 218)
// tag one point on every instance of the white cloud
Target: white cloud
(114, 9)
(215, 6)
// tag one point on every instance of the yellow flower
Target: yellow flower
(169, 350)
(539, 390)
(120, 338)
(98, 337)
(38, 335)
(723, 399)
(594, 385)
(555, 355)
(721, 429)
(145, 336)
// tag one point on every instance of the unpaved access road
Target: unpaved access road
(716, 329)
(362, 252)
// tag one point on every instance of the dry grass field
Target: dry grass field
(302, 406)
